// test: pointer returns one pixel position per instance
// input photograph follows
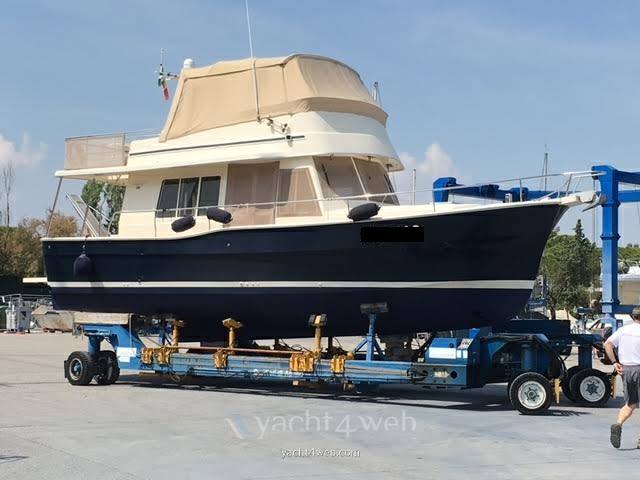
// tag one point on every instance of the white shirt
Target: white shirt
(627, 339)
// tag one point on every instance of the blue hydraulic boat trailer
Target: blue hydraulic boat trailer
(530, 362)
(526, 354)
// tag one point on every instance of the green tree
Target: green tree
(570, 264)
(91, 193)
(106, 198)
(114, 197)
(629, 254)
(20, 246)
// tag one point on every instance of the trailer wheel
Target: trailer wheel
(79, 368)
(107, 368)
(530, 393)
(591, 387)
(565, 383)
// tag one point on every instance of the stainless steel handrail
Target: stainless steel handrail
(367, 196)
(564, 189)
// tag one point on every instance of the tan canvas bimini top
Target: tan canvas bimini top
(224, 94)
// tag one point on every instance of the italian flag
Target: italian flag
(162, 82)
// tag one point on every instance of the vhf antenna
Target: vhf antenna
(545, 167)
(253, 60)
(164, 76)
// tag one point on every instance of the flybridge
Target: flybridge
(96, 151)
(262, 88)
(257, 109)
(106, 150)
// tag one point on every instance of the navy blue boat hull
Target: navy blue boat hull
(458, 271)
(272, 313)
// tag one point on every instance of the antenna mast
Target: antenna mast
(545, 167)
(253, 60)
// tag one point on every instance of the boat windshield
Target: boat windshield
(351, 177)
(375, 180)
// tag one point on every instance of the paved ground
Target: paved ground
(144, 427)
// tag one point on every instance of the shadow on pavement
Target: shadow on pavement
(489, 398)
(11, 458)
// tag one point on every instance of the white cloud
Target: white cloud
(435, 163)
(26, 155)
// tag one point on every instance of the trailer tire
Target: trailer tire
(565, 383)
(530, 393)
(79, 368)
(591, 387)
(107, 369)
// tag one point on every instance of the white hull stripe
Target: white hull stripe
(475, 284)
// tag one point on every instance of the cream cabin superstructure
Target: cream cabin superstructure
(313, 133)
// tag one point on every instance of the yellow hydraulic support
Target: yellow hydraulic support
(317, 322)
(146, 356)
(221, 358)
(162, 354)
(338, 363)
(175, 336)
(299, 361)
(232, 324)
(305, 362)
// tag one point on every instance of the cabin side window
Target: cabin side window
(296, 195)
(187, 196)
(251, 193)
(180, 196)
(168, 198)
(209, 194)
(338, 177)
(375, 180)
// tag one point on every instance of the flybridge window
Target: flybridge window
(179, 196)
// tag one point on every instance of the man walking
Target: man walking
(627, 364)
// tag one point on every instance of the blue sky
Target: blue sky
(484, 85)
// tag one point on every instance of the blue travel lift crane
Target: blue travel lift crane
(526, 354)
